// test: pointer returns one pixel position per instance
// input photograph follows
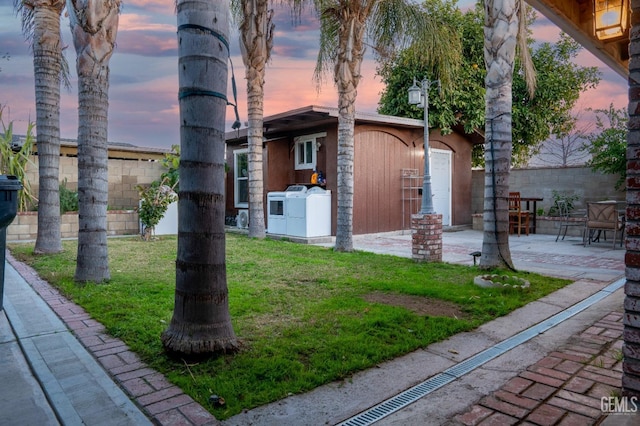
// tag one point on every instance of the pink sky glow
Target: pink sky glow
(143, 87)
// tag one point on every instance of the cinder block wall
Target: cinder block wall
(124, 175)
(25, 225)
(540, 182)
(122, 219)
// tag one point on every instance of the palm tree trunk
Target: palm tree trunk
(256, 38)
(255, 97)
(201, 323)
(346, 125)
(92, 259)
(94, 49)
(347, 76)
(47, 60)
(500, 33)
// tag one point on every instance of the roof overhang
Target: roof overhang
(575, 17)
(311, 116)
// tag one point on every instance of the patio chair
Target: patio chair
(603, 216)
(518, 219)
(566, 221)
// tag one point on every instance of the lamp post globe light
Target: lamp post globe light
(419, 95)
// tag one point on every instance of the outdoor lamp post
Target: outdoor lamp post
(419, 95)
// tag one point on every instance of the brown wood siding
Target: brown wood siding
(279, 166)
(379, 159)
(380, 154)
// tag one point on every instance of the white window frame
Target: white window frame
(237, 176)
(300, 145)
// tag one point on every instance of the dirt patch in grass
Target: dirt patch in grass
(418, 304)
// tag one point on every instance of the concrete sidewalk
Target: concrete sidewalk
(48, 377)
(64, 369)
(539, 253)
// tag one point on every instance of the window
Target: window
(241, 178)
(276, 207)
(306, 148)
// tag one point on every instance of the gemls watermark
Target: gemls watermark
(619, 404)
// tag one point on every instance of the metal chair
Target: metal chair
(566, 220)
(603, 216)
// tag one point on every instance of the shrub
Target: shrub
(154, 201)
(14, 161)
(609, 147)
(171, 162)
(554, 210)
(68, 198)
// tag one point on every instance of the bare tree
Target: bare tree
(567, 148)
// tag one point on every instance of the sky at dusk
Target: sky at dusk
(143, 104)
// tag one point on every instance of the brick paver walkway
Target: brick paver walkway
(554, 258)
(564, 388)
(163, 402)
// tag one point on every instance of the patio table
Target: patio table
(533, 212)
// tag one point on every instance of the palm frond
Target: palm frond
(329, 27)
(391, 25)
(235, 7)
(27, 17)
(394, 23)
(523, 47)
(296, 7)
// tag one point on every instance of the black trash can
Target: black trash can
(9, 187)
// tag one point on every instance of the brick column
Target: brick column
(631, 347)
(426, 238)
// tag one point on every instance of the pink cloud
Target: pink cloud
(147, 44)
(290, 84)
(545, 31)
(143, 93)
(605, 94)
(135, 22)
(158, 6)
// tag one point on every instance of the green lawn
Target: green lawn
(300, 312)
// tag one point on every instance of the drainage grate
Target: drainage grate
(472, 363)
(413, 394)
(399, 401)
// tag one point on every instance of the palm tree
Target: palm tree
(256, 41)
(41, 24)
(201, 323)
(94, 26)
(504, 29)
(345, 26)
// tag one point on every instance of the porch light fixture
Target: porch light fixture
(419, 95)
(610, 18)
